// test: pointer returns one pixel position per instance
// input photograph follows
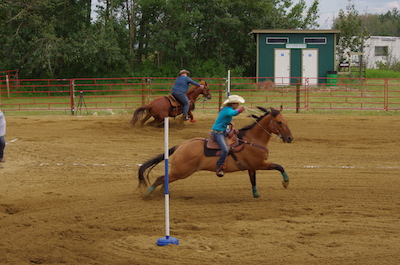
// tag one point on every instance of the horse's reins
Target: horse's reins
(270, 134)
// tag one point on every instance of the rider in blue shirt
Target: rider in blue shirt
(220, 128)
(180, 89)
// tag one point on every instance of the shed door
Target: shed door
(310, 66)
(282, 67)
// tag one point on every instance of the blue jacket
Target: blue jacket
(225, 117)
(182, 84)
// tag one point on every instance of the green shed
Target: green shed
(286, 55)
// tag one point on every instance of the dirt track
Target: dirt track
(68, 195)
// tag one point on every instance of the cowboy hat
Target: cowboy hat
(183, 72)
(233, 99)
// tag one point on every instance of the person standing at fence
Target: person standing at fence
(2, 133)
(220, 128)
(180, 89)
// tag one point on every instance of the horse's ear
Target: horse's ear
(281, 108)
(274, 112)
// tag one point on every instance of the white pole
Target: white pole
(228, 89)
(166, 184)
(167, 239)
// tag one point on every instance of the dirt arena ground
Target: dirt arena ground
(68, 195)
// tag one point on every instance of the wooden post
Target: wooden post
(72, 95)
(143, 80)
(8, 86)
(298, 95)
(220, 95)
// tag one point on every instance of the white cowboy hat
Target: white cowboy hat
(233, 99)
(184, 72)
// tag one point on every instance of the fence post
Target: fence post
(386, 95)
(219, 94)
(149, 88)
(8, 86)
(306, 93)
(72, 95)
(297, 95)
(143, 80)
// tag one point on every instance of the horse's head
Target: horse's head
(271, 122)
(206, 90)
(279, 126)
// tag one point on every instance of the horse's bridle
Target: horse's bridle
(269, 133)
(203, 89)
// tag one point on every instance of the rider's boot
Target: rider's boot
(220, 170)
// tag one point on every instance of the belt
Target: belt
(214, 131)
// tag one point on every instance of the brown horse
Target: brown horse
(188, 157)
(162, 107)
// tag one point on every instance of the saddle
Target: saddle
(211, 147)
(176, 105)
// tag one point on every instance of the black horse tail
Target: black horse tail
(138, 113)
(144, 180)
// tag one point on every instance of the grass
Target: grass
(376, 73)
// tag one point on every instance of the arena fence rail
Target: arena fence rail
(85, 95)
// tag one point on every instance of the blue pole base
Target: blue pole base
(163, 241)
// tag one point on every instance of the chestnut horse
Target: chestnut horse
(188, 157)
(161, 107)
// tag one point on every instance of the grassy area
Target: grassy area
(376, 73)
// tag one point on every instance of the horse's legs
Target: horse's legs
(252, 175)
(157, 182)
(158, 122)
(191, 116)
(148, 116)
(271, 166)
(175, 174)
(285, 181)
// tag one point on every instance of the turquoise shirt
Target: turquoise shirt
(225, 117)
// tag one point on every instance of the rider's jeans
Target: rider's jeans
(219, 137)
(185, 101)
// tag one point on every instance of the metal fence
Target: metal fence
(72, 95)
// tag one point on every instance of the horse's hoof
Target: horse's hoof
(285, 184)
(255, 192)
(192, 121)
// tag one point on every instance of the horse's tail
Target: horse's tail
(144, 180)
(138, 113)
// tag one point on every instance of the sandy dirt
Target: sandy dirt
(68, 195)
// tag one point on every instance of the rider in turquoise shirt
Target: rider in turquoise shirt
(219, 129)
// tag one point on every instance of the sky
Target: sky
(329, 9)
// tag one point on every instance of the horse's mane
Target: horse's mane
(192, 88)
(273, 112)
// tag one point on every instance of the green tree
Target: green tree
(58, 39)
(382, 25)
(353, 33)
(178, 33)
